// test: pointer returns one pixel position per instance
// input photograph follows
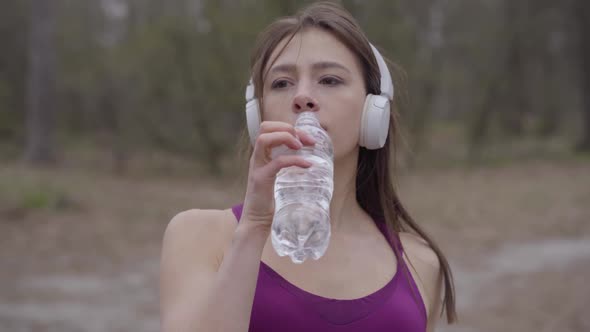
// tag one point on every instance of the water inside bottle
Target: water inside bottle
(301, 224)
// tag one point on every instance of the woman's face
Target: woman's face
(319, 73)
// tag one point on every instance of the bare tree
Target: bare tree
(41, 83)
(582, 11)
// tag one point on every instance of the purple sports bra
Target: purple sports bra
(280, 306)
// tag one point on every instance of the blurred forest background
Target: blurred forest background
(117, 114)
(137, 78)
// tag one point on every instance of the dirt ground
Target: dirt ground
(517, 237)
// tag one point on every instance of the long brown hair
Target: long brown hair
(376, 192)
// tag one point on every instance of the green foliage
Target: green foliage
(22, 194)
(41, 198)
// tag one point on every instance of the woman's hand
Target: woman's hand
(259, 202)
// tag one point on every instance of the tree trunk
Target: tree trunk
(583, 18)
(429, 59)
(41, 83)
(479, 129)
(512, 116)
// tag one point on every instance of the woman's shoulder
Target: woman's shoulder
(426, 270)
(416, 248)
(201, 229)
(204, 221)
(204, 217)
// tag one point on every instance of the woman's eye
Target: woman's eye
(330, 81)
(279, 84)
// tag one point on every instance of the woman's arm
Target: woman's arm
(196, 292)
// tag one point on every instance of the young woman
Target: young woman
(381, 272)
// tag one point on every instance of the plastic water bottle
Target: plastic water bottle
(301, 223)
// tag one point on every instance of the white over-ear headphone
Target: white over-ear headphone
(375, 118)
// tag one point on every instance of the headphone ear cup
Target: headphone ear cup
(253, 119)
(374, 122)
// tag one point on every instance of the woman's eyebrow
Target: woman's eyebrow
(291, 68)
(283, 68)
(328, 65)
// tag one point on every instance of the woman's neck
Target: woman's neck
(346, 215)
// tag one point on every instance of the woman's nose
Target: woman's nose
(303, 103)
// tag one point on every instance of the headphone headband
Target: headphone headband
(250, 91)
(386, 85)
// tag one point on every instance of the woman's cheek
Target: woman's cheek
(344, 143)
